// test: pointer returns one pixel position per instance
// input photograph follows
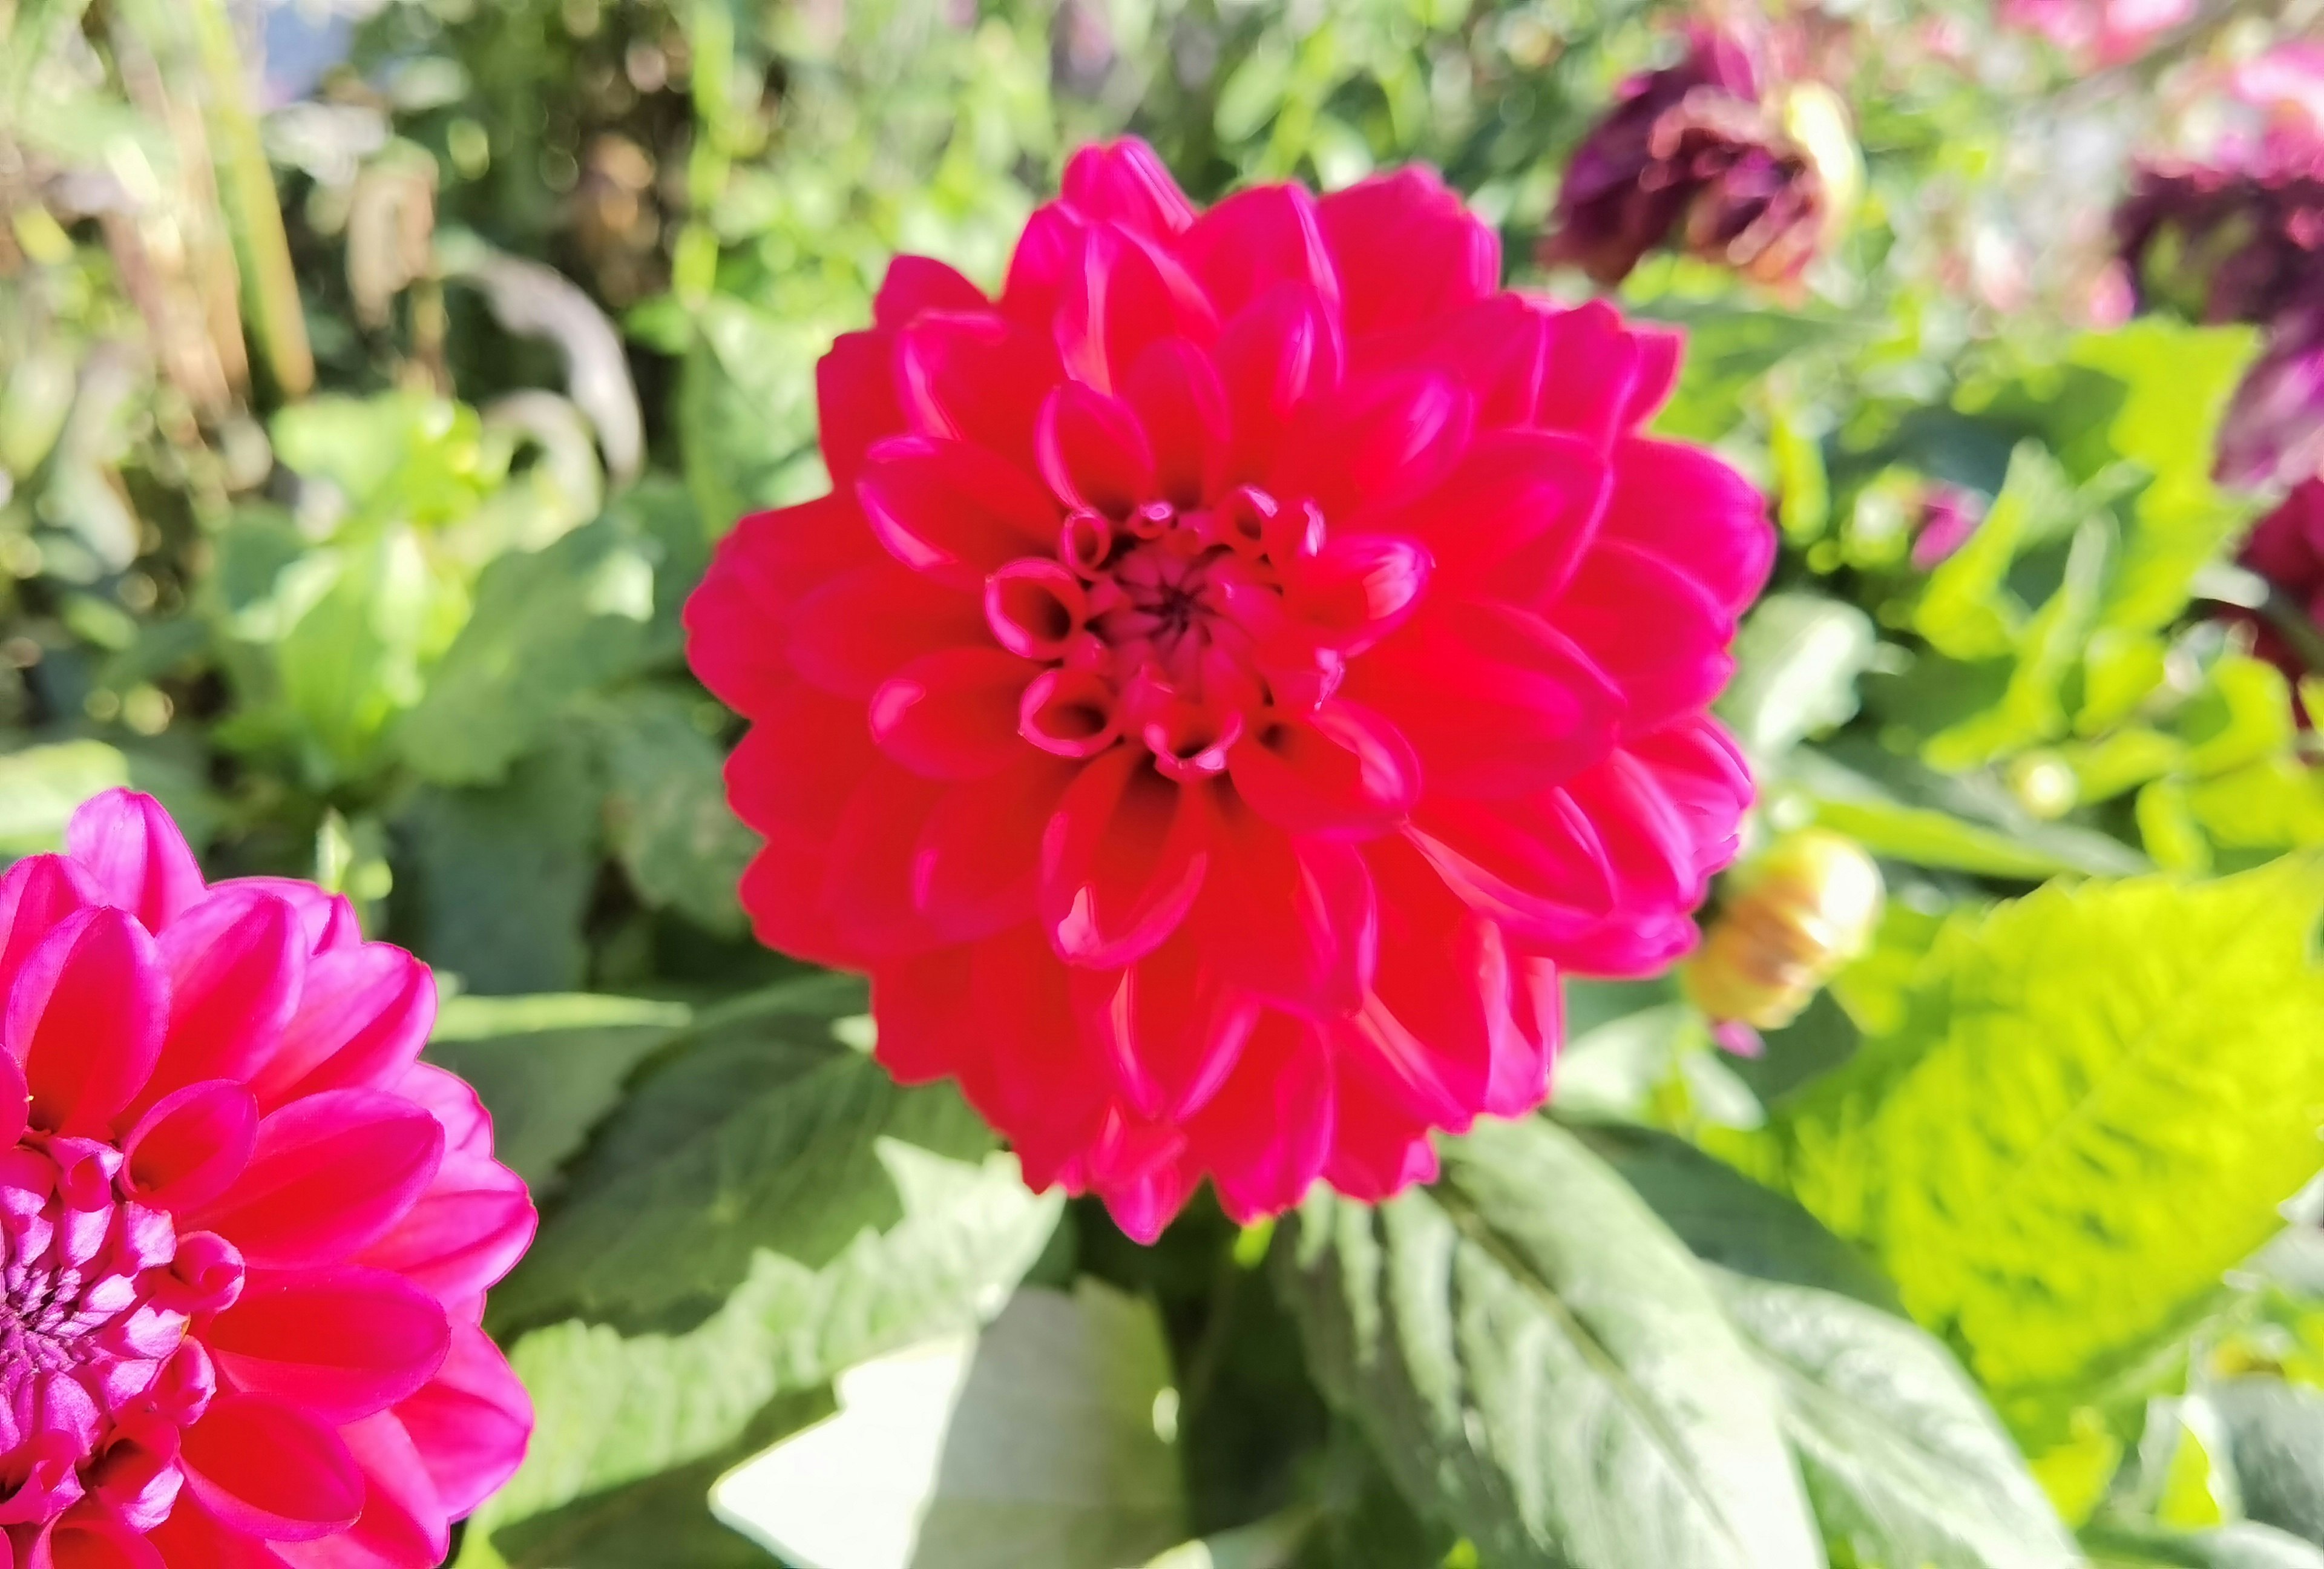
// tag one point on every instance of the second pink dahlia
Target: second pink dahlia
(1234, 673)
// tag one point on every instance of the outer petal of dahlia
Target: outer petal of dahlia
(916, 286)
(1280, 353)
(974, 376)
(770, 560)
(1602, 377)
(800, 764)
(1655, 630)
(1264, 1137)
(472, 1422)
(1123, 182)
(863, 625)
(973, 867)
(328, 919)
(1695, 512)
(1167, 1026)
(1255, 240)
(866, 893)
(1381, 440)
(1513, 520)
(1142, 1205)
(236, 962)
(339, 1343)
(327, 1175)
(265, 1469)
(86, 1017)
(1406, 250)
(136, 855)
(1379, 1148)
(1288, 918)
(1020, 1056)
(194, 1539)
(467, 1231)
(1495, 699)
(363, 1015)
(1122, 295)
(191, 1146)
(36, 894)
(922, 1036)
(953, 511)
(1122, 861)
(403, 1523)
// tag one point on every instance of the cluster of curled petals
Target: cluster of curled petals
(244, 1236)
(1235, 671)
(1696, 157)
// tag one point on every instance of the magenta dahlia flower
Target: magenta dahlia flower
(244, 1236)
(1234, 672)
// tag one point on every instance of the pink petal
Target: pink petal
(866, 892)
(1342, 769)
(1124, 182)
(1652, 628)
(363, 1013)
(339, 1343)
(194, 1539)
(1536, 863)
(855, 401)
(326, 919)
(36, 894)
(1357, 589)
(86, 1019)
(973, 867)
(1380, 1148)
(1256, 239)
(1694, 511)
(1289, 920)
(864, 625)
(953, 511)
(89, 1539)
(974, 378)
(266, 1468)
(1125, 295)
(953, 714)
(328, 1174)
(191, 1146)
(402, 1525)
(1092, 452)
(1281, 351)
(1169, 1029)
(470, 1423)
(138, 858)
(236, 963)
(457, 1108)
(1183, 408)
(1408, 250)
(465, 1233)
(917, 285)
(1513, 520)
(1122, 861)
(770, 560)
(1266, 1134)
(1378, 442)
(798, 766)
(917, 1000)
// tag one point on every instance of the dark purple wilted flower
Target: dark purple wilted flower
(2287, 551)
(2274, 432)
(1698, 157)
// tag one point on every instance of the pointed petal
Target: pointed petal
(1700, 516)
(465, 1233)
(36, 894)
(236, 963)
(1124, 182)
(1283, 351)
(1092, 452)
(1179, 401)
(1265, 1136)
(1289, 919)
(951, 715)
(191, 1146)
(1122, 861)
(1408, 250)
(977, 378)
(138, 858)
(264, 1468)
(471, 1422)
(328, 1174)
(338, 1343)
(953, 511)
(864, 625)
(972, 869)
(1341, 770)
(1256, 239)
(1378, 443)
(1652, 628)
(1169, 1027)
(363, 1015)
(85, 1020)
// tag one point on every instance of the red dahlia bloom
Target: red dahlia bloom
(244, 1236)
(1234, 672)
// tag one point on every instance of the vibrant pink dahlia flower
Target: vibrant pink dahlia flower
(1234, 672)
(244, 1236)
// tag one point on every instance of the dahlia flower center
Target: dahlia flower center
(1160, 628)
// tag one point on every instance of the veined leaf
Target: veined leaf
(2275, 1442)
(1539, 1361)
(2097, 1100)
(1044, 1440)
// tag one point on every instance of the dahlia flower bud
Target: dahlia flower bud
(1698, 157)
(247, 1234)
(1949, 516)
(1236, 671)
(1794, 916)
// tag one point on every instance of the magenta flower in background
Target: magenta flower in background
(1236, 671)
(1949, 516)
(2098, 32)
(1697, 156)
(246, 1233)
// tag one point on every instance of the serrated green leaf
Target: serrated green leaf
(2097, 1100)
(1541, 1363)
(759, 1133)
(1035, 1442)
(548, 625)
(666, 811)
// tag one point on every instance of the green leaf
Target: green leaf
(548, 625)
(41, 786)
(633, 1427)
(1796, 660)
(2275, 1442)
(1044, 1440)
(2079, 1074)
(665, 811)
(746, 406)
(1904, 1461)
(548, 1067)
(2236, 1547)
(1540, 1362)
(491, 884)
(759, 1132)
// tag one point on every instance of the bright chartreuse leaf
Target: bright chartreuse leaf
(633, 1429)
(548, 1067)
(1542, 1365)
(758, 1135)
(666, 812)
(548, 625)
(1044, 1439)
(2095, 1102)
(1796, 660)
